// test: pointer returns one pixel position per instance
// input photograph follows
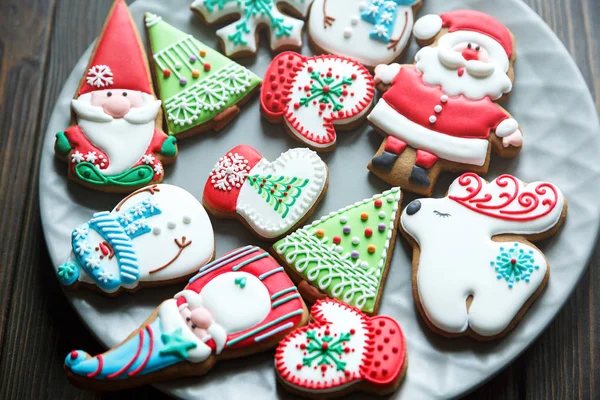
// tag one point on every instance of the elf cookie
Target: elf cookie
(475, 271)
(200, 88)
(271, 198)
(440, 114)
(342, 351)
(116, 143)
(158, 234)
(241, 304)
(314, 95)
(346, 254)
(371, 32)
(240, 37)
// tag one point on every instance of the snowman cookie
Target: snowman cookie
(241, 304)
(475, 270)
(270, 198)
(342, 351)
(159, 234)
(240, 37)
(371, 32)
(314, 96)
(345, 255)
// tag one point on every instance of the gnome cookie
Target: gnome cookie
(371, 32)
(315, 95)
(156, 235)
(346, 254)
(440, 114)
(342, 351)
(201, 89)
(240, 304)
(271, 198)
(239, 38)
(115, 143)
(475, 271)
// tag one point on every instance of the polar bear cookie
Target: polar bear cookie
(158, 234)
(342, 351)
(475, 271)
(240, 304)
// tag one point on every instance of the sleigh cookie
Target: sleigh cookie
(342, 351)
(314, 96)
(158, 234)
(271, 198)
(371, 32)
(475, 271)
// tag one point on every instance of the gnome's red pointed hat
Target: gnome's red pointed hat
(118, 61)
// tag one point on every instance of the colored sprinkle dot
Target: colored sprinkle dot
(178, 66)
(166, 73)
(378, 203)
(183, 81)
(337, 239)
(390, 199)
(192, 58)
(382, 214)
(355, 240)
(371, 248)
(368, 232)
(364, 216)
(195, 74)
(352, 331)
(339, 249)
(343, 219)
(354, 254)
(320, 233)
(381, 227)
(299, 366)
(202, 53)
(347, 229)
(73, 354)
(206, 67)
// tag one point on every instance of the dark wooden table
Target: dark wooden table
(40, 42)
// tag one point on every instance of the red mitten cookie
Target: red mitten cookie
(342, 351)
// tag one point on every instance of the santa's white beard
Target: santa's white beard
(475, 88)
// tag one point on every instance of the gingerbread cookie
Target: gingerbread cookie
(271, 198)
(201, 89)
(156, 235)
(441, 113)
(371, 32)
(240, 38)
(342, 351)
(475, 271)
(240, 304)
(315, 95)
(116, 143)
(346, 254)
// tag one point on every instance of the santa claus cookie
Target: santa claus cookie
(240, 37)
(346, 254)
(201, 89)
(440, 114)
(158, 234)
(240, 304)
(371, 32)
(342, 351)
(475, 271)
(314, 95)
(270, 198)
(115, 143)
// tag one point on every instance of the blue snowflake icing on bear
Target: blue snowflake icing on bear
(514, 264)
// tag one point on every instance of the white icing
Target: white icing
(386, 73)
(227, 9)
(359, 45)
(462, 150)
(507, 127)
(455, 256)
(427, 26)
(261, 215)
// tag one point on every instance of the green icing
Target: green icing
(169, 147)
(176, 344)
(201, 82)
(137, 176)
(62, 145)
(279, 192)
(329, 266)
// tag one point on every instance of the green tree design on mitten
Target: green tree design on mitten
(278, 191)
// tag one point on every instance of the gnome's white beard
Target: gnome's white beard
(124, 140)
(477, 82)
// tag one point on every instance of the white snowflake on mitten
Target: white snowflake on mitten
(230, 171)
(100, 76)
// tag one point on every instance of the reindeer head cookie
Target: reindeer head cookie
(474, 270)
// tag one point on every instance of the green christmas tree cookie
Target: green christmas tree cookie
(195, 83)
(345, 255)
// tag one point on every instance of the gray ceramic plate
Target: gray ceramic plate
(559, 121)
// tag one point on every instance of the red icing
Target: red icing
(151, 342)
(470, 20)
(120, 49)
(425, 159)
(226, 200)
(461, 117)
(512, 203)
(99, 369)
(394, 145)
(130, 363)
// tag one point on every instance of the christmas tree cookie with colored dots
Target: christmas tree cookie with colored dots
(200, 88)
(270, 198)
(345, 255)
(314, 96)
(342, 351)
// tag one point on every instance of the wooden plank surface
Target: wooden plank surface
(40, 42)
